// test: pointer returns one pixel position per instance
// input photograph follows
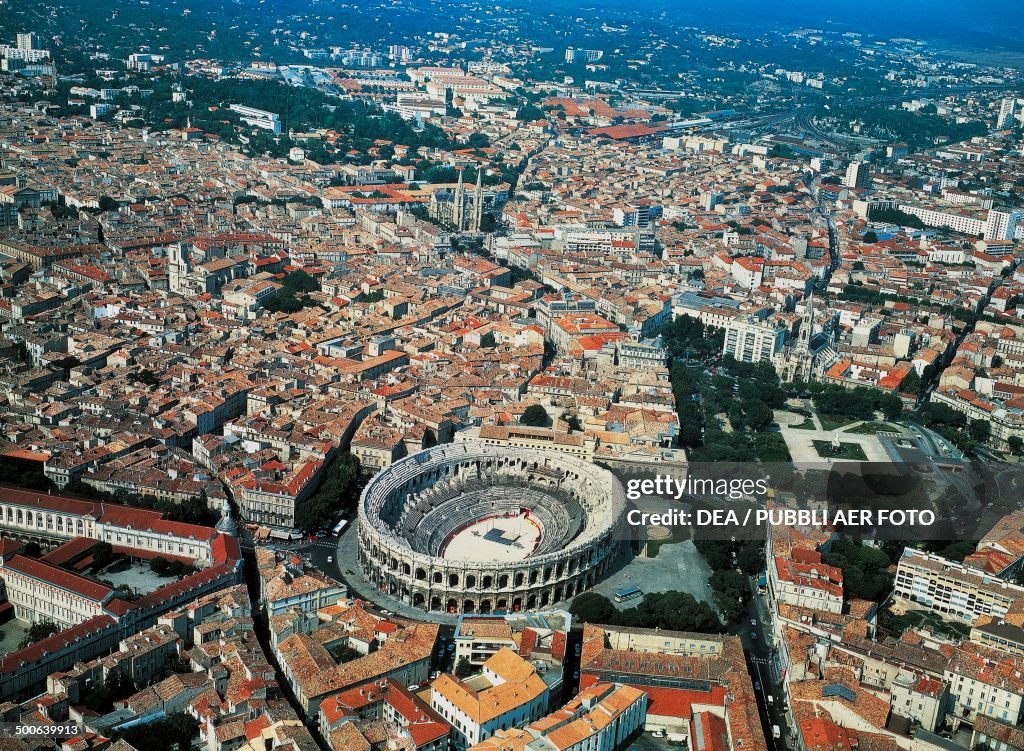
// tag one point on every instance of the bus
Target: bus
(339, 528)
(627, 593)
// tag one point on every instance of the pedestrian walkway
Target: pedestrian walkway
(352, 576)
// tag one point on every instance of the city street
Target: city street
(761, 663)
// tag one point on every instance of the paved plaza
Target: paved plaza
(800, 441)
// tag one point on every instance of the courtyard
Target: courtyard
(136, 575)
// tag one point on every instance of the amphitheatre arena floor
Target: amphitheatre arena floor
(495, 539)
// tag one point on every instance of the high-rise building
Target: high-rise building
(28, 41)
(573, 55)
(1007, 109)
(399, 53)
(858, 175)
(709, 199)
(752, 340)
(1002, 225)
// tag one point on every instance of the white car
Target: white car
(330, 559)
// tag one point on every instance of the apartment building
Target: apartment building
(919, 697)
(752, 340)
(600, 718)
(804, 581)
(477, 639)
(952, 589)
(986, 682)
(506, 693)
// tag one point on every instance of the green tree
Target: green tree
(750, 558)
(731, 592)
(891, 406)
(102, 554)
(717, 553)
(896, 216)
(115, 687)
(529, 113)
(736, 416)
(1016, 443)
(300, 281)
(338, 492)
(464, 668)
(912, 383)
(38, 632)
(535, 416)
(575, 426)
(758, 415)
(172, 733)
(343, 653)
(980, 430)
(283, 301)
(864, 568)
(870, 236)
(591, 607)
(159, 565)
(673, 610)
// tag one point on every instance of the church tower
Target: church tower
(458, 210)
(179, 266)
(796, 362)
(807, 324)
(478, 202)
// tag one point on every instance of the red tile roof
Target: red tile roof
(58, 577)
(14, 661)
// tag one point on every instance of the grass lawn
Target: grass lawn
(805, 425)
(833, 422)
(846, 451)
(870, 428)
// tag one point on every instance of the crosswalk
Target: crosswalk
(761, 660)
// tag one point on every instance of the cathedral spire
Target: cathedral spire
(460, 203)
(807, 325)
(478, 201)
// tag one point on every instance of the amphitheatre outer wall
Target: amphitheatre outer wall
(410, 512)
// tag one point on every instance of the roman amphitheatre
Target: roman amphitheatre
(472, 528)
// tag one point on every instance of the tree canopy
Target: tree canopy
(338, 492)
(38, 632)
(672, 610)
(535, 416)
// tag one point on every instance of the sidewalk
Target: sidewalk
(352, 575)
